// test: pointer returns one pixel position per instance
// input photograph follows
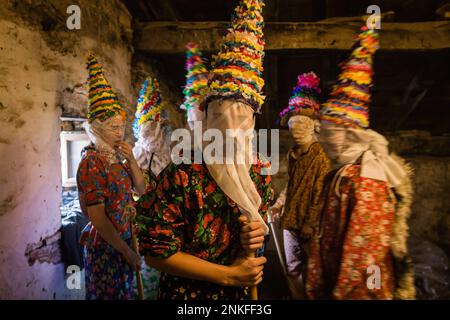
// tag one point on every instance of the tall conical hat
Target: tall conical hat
(237, 68)
(150, 105)
(196, 78)
(304, 99)
(103, 101)
(349, 100)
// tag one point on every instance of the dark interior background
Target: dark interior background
(410, 87)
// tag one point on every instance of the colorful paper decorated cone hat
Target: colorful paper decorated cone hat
(349, 100)
(237, 69)
(150, 105)
(305, 98)
(196, 80)
(103, 101)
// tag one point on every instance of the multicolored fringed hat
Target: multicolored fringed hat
(305, 98)
(349, 100)
(150, 106)
(196, 78)
(237, 68)
(103, 101)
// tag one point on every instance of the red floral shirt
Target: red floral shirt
(98, 182)
(192, 214)
(356, 230)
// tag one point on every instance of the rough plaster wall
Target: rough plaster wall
(431, 207)
(429, 157)
(43, 75)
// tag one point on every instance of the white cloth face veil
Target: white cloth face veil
(332, 139)
(193, 115)
(346, 145)
(302, 129)
(232, 174)
(105, 134)
(153, 145)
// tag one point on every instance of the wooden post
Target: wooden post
(253, 289)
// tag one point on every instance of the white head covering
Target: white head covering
(303, 128)
(346, 145)
(153, 146)
(194, 114)
(101, 133)
(232, 175)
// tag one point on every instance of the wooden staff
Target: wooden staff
(138, 272)
(271, 222)
(253, 289)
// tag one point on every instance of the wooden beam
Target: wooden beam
(171, 37)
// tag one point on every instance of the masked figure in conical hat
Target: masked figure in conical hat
(195, 92)
(196, 84)
(107, 175)
(195, 236)
(300, 203)
(234, 97)
(152, 151)
(361, 251)
(152, 130)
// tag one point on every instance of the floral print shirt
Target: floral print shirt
(193, 215)
(304, 197)
(98, 182)
(357, 225)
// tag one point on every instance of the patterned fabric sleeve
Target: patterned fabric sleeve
(321, 167)
(161, 234)
(92, 180)
(264, 186)
(365, 240)
(281, 198)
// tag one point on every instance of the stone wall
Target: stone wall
(430, 158)
(43, 76)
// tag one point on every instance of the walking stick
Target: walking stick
(277, 244)
(138, 272)
(253, 289)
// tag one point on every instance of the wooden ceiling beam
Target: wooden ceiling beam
(171, 37)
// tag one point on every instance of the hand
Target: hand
(125, 149)
(246, 272)
(133, 259)
(252, 234)
(275, 213)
